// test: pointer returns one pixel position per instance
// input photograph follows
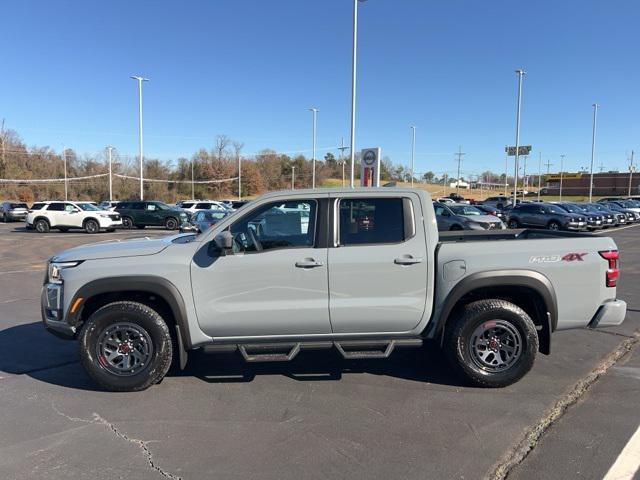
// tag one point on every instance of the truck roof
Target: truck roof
(341, 191)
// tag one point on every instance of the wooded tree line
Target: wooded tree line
(265, 171)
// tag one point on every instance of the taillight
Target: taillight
(613, 272)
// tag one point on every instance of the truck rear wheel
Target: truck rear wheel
(126, 346)
(492, 343)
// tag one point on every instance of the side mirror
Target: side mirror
(223, 242)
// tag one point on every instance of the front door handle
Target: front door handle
(408, 260)
(308, 263)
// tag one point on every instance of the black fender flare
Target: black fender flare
(501, 278)
(151, 284)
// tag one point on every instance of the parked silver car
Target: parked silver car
(12, 211)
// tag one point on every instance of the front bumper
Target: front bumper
(610, 314)
(52, 310)
(577, 226)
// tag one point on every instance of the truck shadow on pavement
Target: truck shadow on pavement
(29, 349)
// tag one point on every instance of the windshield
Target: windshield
(87, 206)
(18, 205)
(554, 209)
(213, 215)
(465, 210)
(571, 208)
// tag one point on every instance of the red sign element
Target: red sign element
(571, 257)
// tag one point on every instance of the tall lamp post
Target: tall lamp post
(561, 174)
(64, 160)
(313, 174)
(521, 74)
(593, 148)
(354, 63)
(110, 151)
(140, 144)
(413, 151)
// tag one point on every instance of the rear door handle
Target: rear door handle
(408, 260)
(308, 263)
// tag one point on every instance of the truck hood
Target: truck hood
(115, 249)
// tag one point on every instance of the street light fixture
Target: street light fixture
(354, 63)
(313, 174)
(140, 144)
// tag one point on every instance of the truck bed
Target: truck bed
(526, 234)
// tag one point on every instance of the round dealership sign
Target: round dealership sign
(369, 157)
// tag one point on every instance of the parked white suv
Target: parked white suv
(64, 216)
(194, 206)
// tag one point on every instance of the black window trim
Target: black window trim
(315, 225)
(336, 219)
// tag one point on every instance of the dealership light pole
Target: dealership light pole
(561, 177)
(593, 148)
(64, 160)
(354, 64)
(140, 144)
(630, 172)
(413, 152)
(313, 175)
(521, 74)
(293, 177)
(109, 152)
(193, 186)
(506, 169)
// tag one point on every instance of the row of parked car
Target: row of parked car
(500, 213)
(107, 216)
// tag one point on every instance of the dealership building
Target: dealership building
(605, 183)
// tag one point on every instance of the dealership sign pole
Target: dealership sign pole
(370, 167)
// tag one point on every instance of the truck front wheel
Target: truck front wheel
(125, 346)
(492, 343)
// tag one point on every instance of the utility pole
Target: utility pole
(413, 152)
(444, 184)
(109, 151)
(140, 143)
(630, 172)
(342, 148)
(539, 173)
(561, 174)
(601, 167)
(520, 73)
(459, 155)
(549, 165)
(313, 175)
(293, 177)
(593, 148)
(3, 148)
(64, 161)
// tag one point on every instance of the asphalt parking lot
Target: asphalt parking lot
(317, 417)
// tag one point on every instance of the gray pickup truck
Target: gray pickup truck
(363, 271)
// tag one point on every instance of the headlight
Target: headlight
(105, 215)
(55, 269)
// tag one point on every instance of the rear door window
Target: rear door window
(37, 206)
(371, 221)
(56, 207)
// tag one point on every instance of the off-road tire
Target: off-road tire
(41, 226)
(171, 223)
(127, 223)
(459, 334)
(142, 316)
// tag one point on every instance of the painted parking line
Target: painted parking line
(628, 462)
(617, 229)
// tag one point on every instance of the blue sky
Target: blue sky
(251, 69)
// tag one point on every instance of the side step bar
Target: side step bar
(285, 352)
